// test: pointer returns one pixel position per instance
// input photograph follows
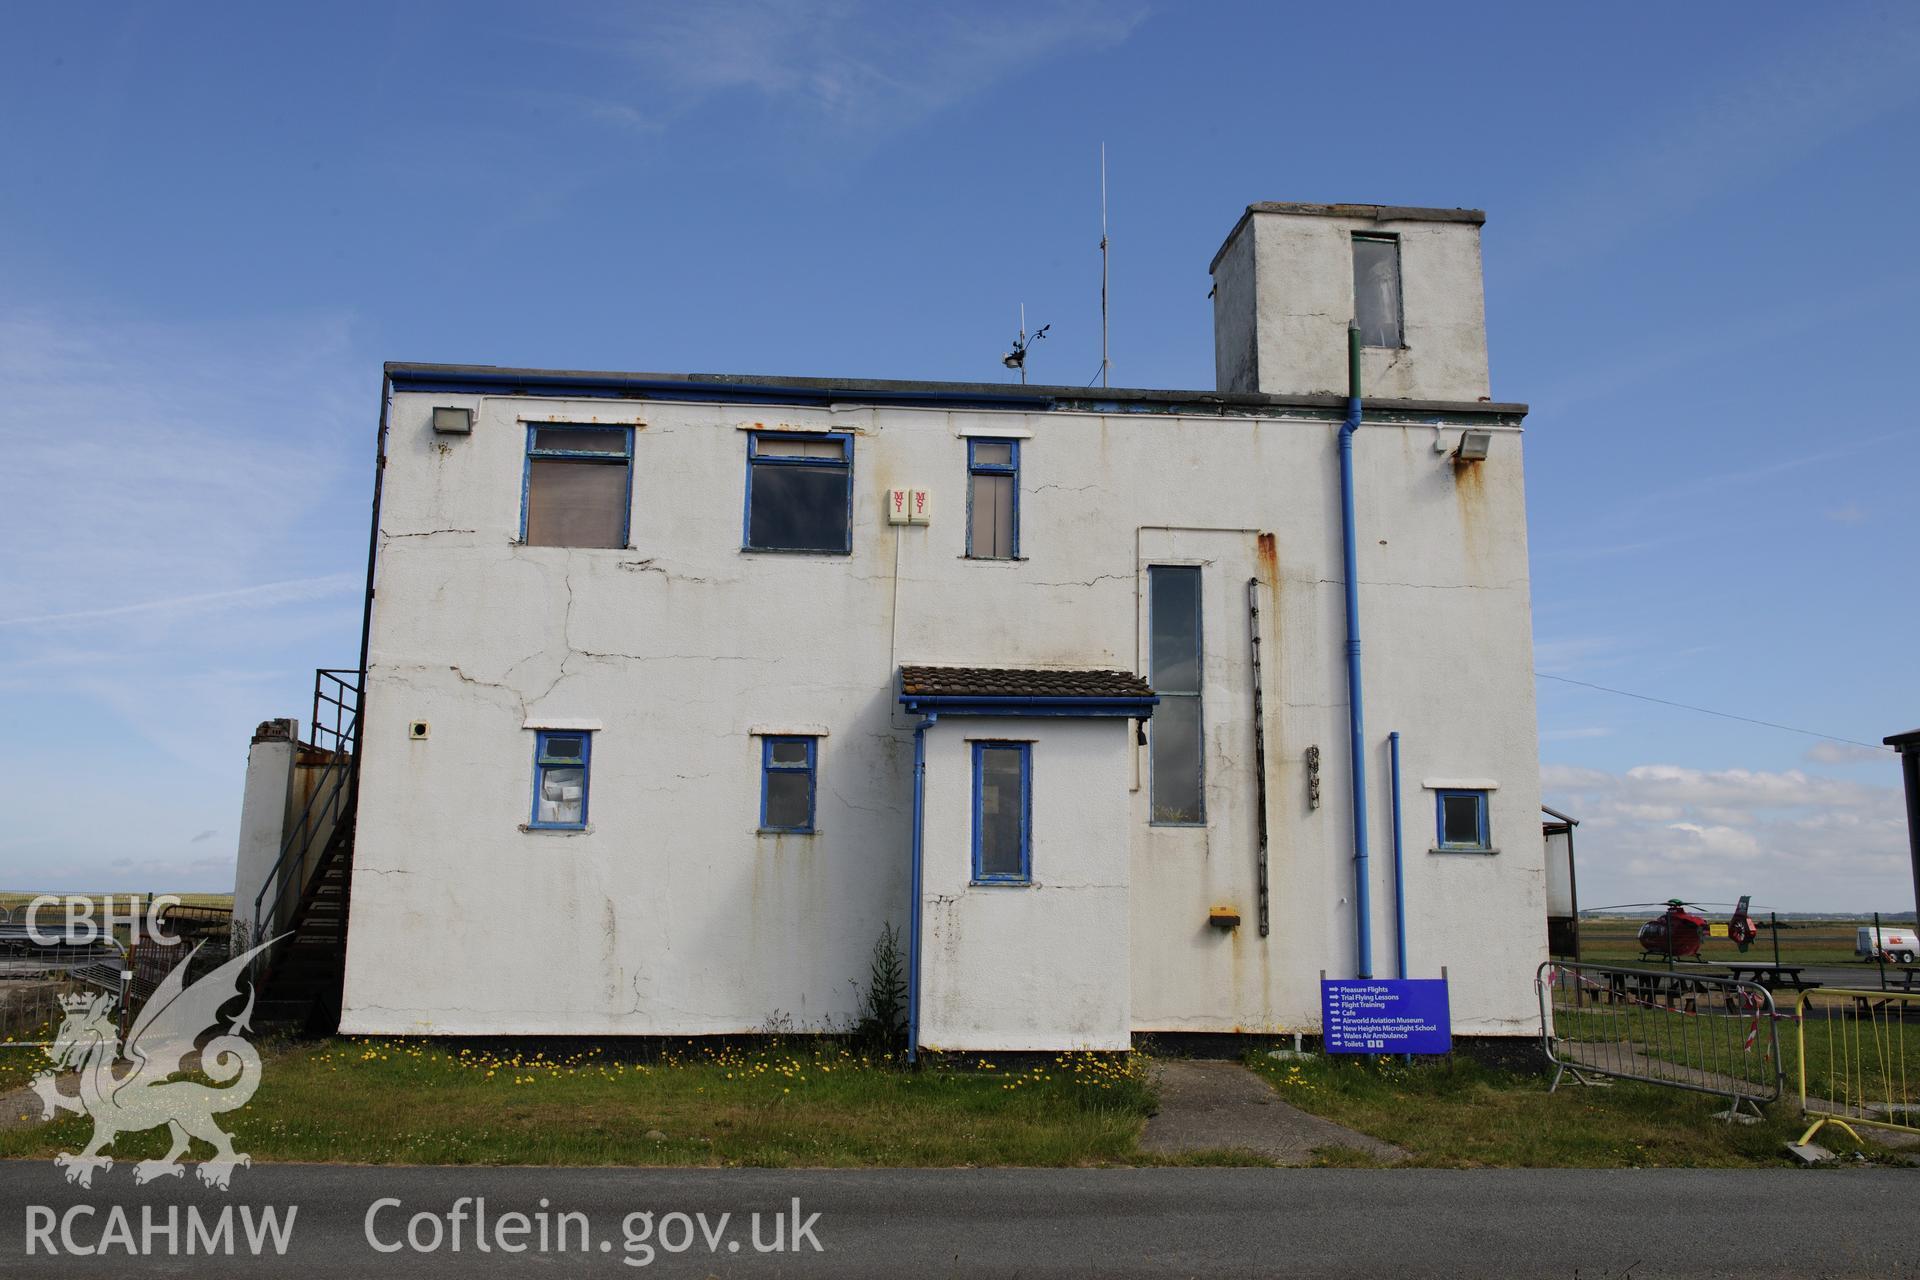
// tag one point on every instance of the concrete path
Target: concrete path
(353, 1222)
(1210, 1106)
(20, 1108)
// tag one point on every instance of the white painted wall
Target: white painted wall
(1283, 294)
(671, 915)
(1044, 965)
(263, 814)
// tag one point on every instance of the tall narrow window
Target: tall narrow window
(1002, 812)
(799, 492)
(786, 783)
(1376, 290)
(1178, 764)
(560, 762)
(993, 499)
(576, 486)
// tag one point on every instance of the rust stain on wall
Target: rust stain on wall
(1469, 488)
(1269, 554)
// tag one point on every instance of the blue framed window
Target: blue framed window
(993, 499)
(1003, 813)
(788, 770)
(1460, 819)
(561, 763)
(576, 486)
(1177, 788)
(799, 493)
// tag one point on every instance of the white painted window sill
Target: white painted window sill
(532, 830)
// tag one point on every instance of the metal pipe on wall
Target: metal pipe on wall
(1399, 865)
(913, 918)
(1356, 718)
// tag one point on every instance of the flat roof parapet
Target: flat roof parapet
(1015, 397)
(1370, 212)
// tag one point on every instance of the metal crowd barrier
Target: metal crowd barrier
(1859, 1059)
(1700, 1031)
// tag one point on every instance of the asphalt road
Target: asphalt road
(995, 1222)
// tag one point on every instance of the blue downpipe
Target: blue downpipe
(1399, 864)
(913, 908)
(1356, 718)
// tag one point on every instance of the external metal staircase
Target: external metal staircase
(304, 899)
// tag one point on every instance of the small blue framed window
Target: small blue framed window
(1461, 821)
(787, 775)
(576, 485)
(1003, 813)
(799, 493)
(561, 763)
(993, 499)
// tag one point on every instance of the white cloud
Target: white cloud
(1849, 513)
(1850, 753)
(860, 68)
(1797, 841)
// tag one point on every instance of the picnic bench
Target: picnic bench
(1769, 975)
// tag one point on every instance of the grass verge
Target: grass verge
(1455, 1113)
(404, 1102)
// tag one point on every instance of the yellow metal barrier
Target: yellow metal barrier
(1859, 1056)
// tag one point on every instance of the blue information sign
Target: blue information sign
(1385, 1015)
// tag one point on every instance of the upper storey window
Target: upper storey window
(993, 499)
(799, 492)
(576, 485)
(1376, 290)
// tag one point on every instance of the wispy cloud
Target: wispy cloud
(1797, 841)
(1581, 734)
(1848, 513)
(859, 69)
(1731, 131)
(1849, 753)
(1734, 477)
(1562, 654)
(184, 511)
(266, 593)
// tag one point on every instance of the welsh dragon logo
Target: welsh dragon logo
(141, 1093)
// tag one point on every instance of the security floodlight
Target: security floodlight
(450, 421)
(1473, 446)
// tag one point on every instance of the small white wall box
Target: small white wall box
(418, 731)
(919, 506)
(897, 509)
(450, 420)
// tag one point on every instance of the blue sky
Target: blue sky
(218, 220)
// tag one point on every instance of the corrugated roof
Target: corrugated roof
(1019, 682)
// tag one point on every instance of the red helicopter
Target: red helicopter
(1678, 932)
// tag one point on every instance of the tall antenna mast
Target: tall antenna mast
(1106, 365)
